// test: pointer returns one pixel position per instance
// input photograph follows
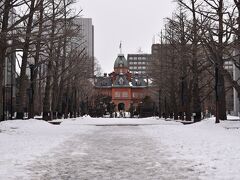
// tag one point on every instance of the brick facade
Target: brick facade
(124, 87)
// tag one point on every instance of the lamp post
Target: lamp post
(11, 100)
(87, 107)
(3, 107)
(182, 98)
(31, 94)
(216, 93)
(165, 107)
(140, 110)
(3, 93)
(159, 104)
(5, 77)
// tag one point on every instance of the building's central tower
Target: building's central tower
(121, 65)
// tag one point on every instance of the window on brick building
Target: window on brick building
(121, 81)
(125, 94)
(117, 94)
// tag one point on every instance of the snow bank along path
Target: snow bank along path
(22, 141)
(155, 150)
(213, 149)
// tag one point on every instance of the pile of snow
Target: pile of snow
(117, 121)
(213, 149)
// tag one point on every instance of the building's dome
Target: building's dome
(120, 61)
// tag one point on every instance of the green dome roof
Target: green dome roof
(120, 61)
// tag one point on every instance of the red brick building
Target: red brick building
(124, 88)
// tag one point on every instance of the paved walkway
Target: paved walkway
(111, 153)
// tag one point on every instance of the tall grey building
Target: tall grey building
(87, 40)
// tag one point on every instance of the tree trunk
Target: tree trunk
(67, 105)
(22, 81)
(195, 92)
(55, 92)
(221, 86)
(221, 97)
(36, 59)
(46, 101)
(3, 48)
(47, 114)
(196, 101)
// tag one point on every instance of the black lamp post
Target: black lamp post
(182, 99)
(216, 92)
(140, 110)
(87, 107)
(3, 107)
(3, 93)
(159, 104)
(31, 92)
(11, 100)
(165, 107)
(5, 68)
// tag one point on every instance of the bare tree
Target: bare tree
(214, 20)
(4, 13)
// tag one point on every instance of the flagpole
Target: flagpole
(120, 47)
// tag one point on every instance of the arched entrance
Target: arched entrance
(121, 107)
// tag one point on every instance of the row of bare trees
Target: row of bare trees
(197, 42)
(54, 64)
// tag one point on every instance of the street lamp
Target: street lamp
(3, 107)
(140, 109)
(165, 107)
(182, 98)
(31, 92)
(11, 98)
(159, 104)
(216, 93)
(5, 77)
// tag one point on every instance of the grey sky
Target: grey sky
(134, 22)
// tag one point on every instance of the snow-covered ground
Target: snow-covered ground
(214, 149)
(203, 150)
(22, 141)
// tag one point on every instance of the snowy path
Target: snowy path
(111, 152)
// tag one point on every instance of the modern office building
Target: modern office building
(87, 34)
(138, 63)
(86, 40)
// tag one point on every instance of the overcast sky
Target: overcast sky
(134, 22)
